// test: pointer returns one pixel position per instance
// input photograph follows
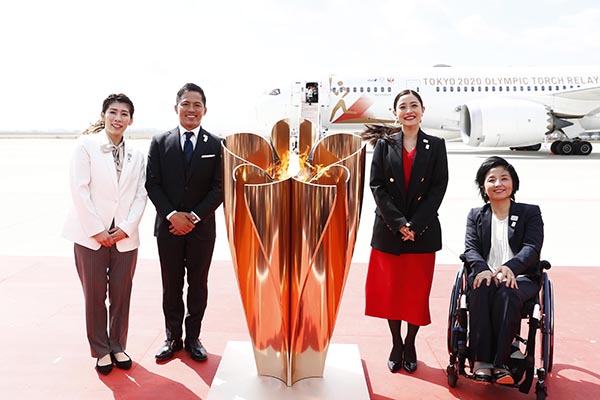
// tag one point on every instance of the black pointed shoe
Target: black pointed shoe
(410, 359)
(394, 366)
(121, 364)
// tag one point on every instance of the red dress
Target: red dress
(398, 286)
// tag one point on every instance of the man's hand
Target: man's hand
(182, 223)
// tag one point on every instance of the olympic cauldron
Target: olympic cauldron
(292, 219)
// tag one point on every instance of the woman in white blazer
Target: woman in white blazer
(107, 177)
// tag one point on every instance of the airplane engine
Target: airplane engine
(504, 122)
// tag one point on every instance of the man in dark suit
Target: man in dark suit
(184, 182)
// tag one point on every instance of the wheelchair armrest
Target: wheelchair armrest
(545, 265)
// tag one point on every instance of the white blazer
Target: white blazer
(98, 197)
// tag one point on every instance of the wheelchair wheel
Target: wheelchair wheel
(547, 328)
(453, 309)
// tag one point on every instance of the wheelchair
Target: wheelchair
(539, 313)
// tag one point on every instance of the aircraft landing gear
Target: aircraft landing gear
(567, 148)
(533, 147)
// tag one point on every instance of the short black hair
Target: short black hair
(190, 87)
(486, 166)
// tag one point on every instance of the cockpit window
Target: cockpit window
(275, 92)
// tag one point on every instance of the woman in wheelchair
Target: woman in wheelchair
(502, 249)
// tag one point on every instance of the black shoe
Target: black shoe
(103, 369)
(121, 364)
(167, 351)
(410, 358)
(394, 366)
(197, 351)
(502, 376)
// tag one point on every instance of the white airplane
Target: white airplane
(516, 107)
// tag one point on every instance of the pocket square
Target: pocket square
(207, 156)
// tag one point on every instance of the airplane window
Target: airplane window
(529, 88)
(493, 88)
(514, 88)
(437, 89)
(479, 88)
(458, 89)
(444, 88)
(361, 89)
(375, 89)
(521, 88)
(486, 88)
(535, 88)
(543, 88)
(368, 90)
(557, 87)
(382, 89)
(472, 88)
(452, 88)
(354, 89)
(499, 88)
(389, 89)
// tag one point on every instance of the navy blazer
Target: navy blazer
(173, 186)
(419, 204)
(525, 237)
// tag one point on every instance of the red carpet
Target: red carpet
(45, 353)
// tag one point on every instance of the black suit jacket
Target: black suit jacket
(419, 204)
(173, 186)
(525, 237)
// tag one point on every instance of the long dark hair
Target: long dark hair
(373, 132)
(112, 98)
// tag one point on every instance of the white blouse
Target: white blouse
(500, 251)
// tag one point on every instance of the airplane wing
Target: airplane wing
(587, 94)
(577, 103)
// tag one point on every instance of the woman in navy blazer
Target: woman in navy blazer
(409, 176)
(503, 242)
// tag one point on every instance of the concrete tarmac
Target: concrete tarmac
(35, 198)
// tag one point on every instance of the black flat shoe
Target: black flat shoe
(197, 351)
(103, 369)
(168, 349)
(482, 377)
(394, 366)
(121, 364)
(410, 359)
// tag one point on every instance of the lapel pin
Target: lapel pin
(205, 138)
(514, 217)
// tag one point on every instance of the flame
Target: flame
(291, 164)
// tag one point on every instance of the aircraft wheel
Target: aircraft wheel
(554, 146)
(565, 148)
(583, 148)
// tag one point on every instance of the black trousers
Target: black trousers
(178, 255)
(495, 318)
